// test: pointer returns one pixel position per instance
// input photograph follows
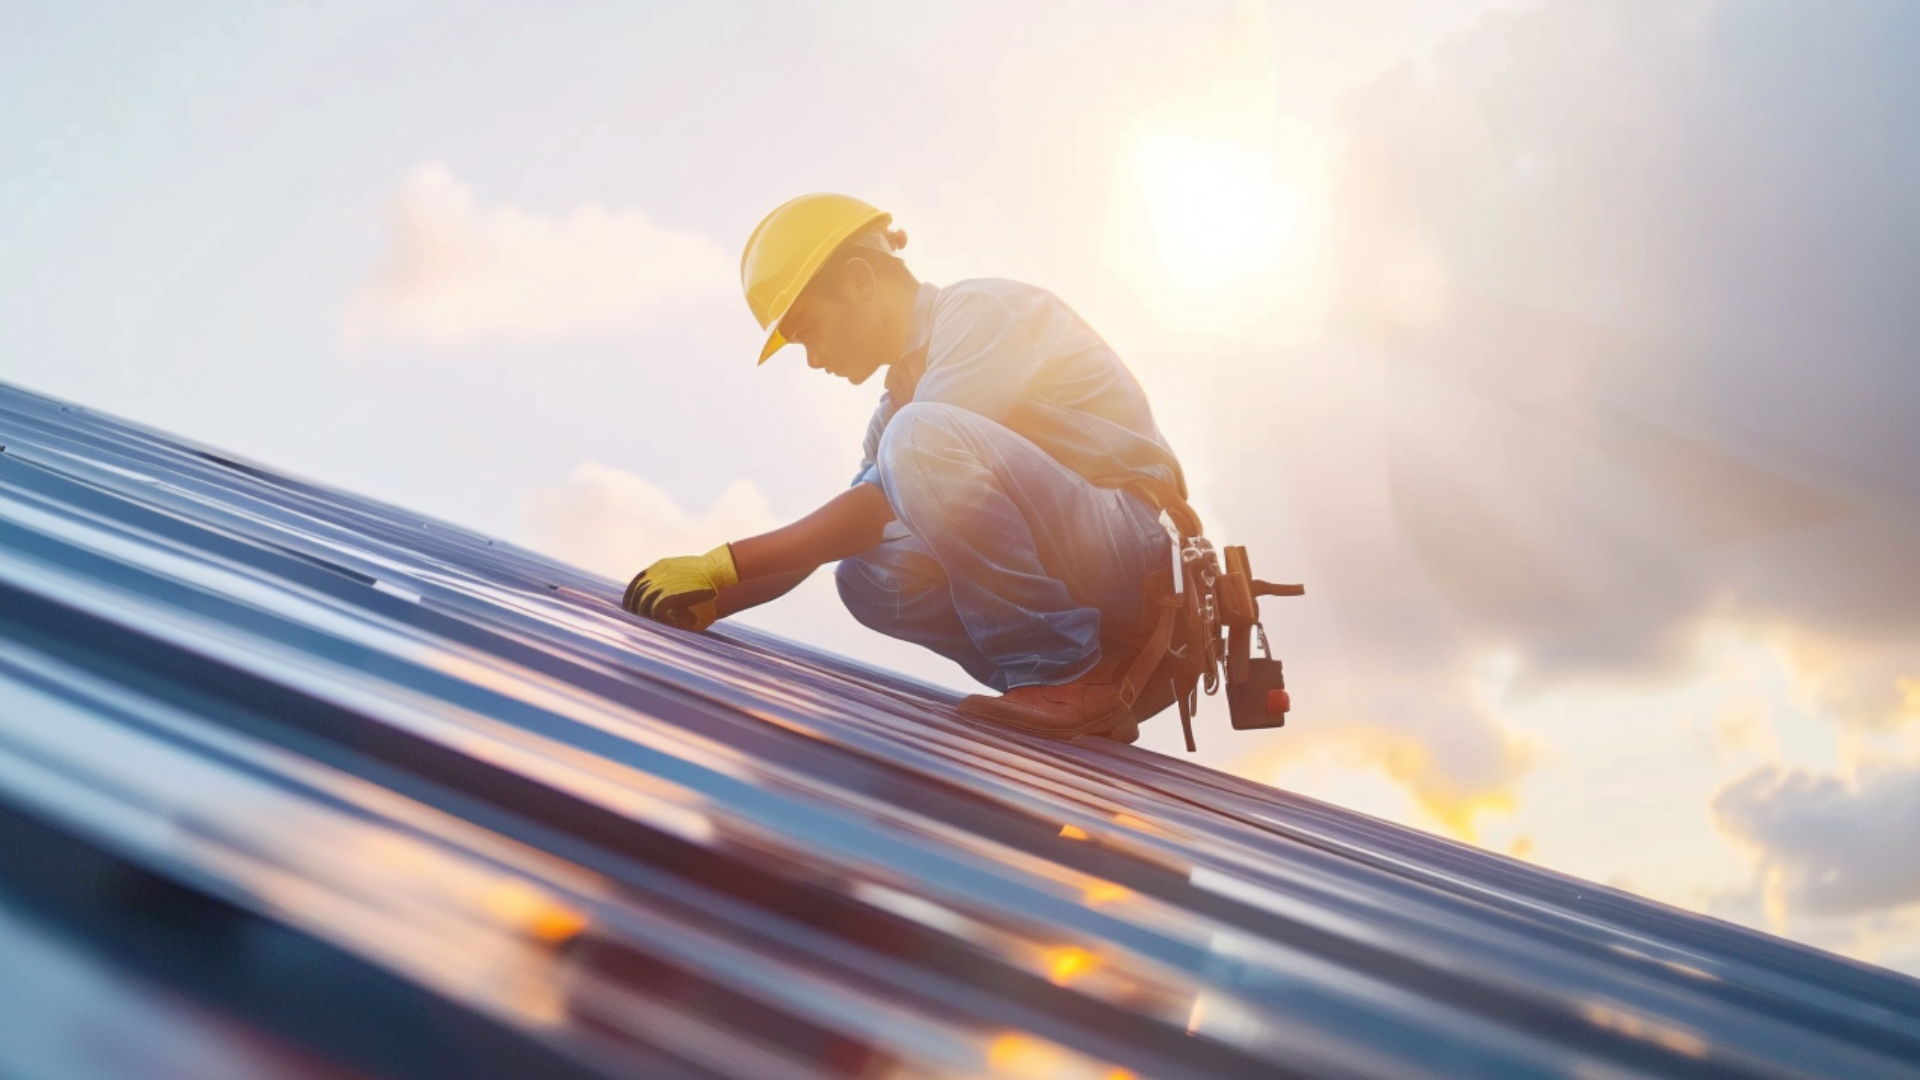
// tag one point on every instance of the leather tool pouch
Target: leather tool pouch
(1204, 630)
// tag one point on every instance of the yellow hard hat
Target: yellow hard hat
(787, 248)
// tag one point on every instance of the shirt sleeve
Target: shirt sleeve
(980, 357)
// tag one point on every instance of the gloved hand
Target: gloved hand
(683, 591)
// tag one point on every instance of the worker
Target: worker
(1007, 510)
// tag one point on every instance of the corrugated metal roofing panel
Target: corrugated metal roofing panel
(294, 783)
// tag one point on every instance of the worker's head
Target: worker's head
(852, 318)
(821, 270)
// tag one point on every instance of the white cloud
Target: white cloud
(457, 273)
(614, 523)
(1828, 846)
(1871, 687)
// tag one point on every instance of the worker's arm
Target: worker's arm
(692, 592)
(758, 591)
(850, 523)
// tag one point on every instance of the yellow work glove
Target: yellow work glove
(683, 591)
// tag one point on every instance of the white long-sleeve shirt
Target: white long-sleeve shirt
(1019, 356)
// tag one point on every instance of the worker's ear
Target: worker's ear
(861, 278)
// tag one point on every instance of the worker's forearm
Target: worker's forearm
(847, 525)
(756, 591)
(692, 591)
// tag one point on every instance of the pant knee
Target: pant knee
(919, 428)
(877, 584)
(862, 585)
(924, 452)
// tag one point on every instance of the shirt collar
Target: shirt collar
(920, 329)
(904, 376)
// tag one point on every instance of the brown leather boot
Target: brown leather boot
(1067, 711)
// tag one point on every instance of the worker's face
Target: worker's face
(838, 320)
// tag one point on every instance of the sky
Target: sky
(1564, 349)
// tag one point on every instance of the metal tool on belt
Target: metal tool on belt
(1209, 616)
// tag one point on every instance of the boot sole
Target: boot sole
(1117, 724)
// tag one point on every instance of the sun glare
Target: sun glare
(1216, 226)
(1218, 215)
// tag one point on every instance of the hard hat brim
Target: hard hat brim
(774, 344)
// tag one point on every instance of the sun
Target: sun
(1218, 214)
(1218, 227)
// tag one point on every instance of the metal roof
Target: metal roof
(294, 783)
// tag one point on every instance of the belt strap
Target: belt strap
(1159, 585)
(1162, 496)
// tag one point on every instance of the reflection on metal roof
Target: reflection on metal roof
(297, 784)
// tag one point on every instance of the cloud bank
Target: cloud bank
(1619, 355)
(1630, 268)
(457, 273)
(1828, 847)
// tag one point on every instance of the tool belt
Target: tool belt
(1208, 614)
